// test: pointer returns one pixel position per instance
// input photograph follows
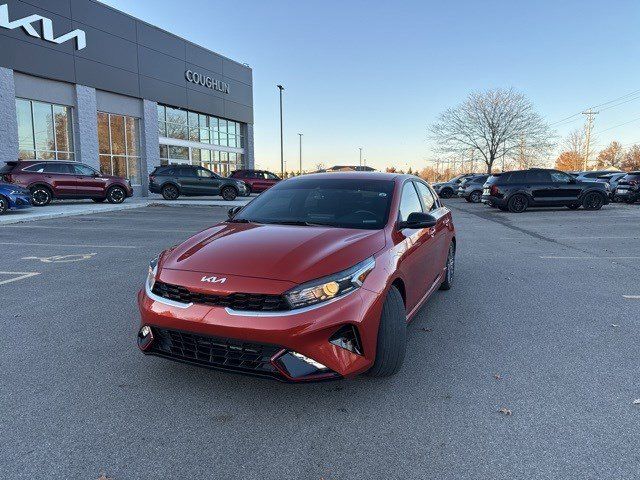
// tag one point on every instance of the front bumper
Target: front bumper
(19, 201)
(264, 343)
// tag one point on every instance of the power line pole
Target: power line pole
(281, 88)
(300, 135)
(588, 127)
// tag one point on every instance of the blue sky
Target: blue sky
(376, 73)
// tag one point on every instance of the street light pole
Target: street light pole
(300, 135)
(360, 155)
(281, 88)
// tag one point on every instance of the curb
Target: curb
(89, 211)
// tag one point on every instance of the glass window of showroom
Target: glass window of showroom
(190, 137)
(119, 145)
(45, 131)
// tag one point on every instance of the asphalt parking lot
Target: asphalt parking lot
(542, 321)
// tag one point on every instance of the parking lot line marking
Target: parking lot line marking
(20, 276)
(98, 229)
(631, 297)
(588, 258)
(18, 244)
(578, 238)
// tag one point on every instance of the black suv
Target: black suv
(538, 187)
(628, 188)
(192, 180)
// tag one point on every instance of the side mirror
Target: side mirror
(418, 220)
(232, 212)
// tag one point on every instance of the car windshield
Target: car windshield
(343, 203)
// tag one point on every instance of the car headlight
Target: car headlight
(153, 271)
(328, 288)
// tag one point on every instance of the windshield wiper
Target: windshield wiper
(300, 223)
(238, 220)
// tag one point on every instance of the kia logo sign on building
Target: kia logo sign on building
(205, 81)
(26, 23)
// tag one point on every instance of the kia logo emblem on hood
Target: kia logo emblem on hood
(213, 279)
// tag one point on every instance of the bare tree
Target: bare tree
(494, 123)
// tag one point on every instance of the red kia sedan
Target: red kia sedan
(315, 279)
(257, 181)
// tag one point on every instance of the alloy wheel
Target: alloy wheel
(476, 197)
(170, 192)
(40, 197)
(116, 195)
(593, 201)
(228, 193)
(3, 205)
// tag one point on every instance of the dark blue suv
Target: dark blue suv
(13, 197)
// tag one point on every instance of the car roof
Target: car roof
(356, 176)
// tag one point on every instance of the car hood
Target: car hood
(277, 252)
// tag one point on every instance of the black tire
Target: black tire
(575, 206)
(518, 203)
(116, 195)
(41, 196)
(392, 336)
(229, 193)
(4, 205)
(450, 268)
(446, 193)
(170, 192)
(475, 197)
(468, 199)
(98, 200)
(593, 201)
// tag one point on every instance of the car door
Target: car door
(208, 182)
(538, 183)
(61, 178)
(438, 255)
(566, 189)
(89, 183)
(188, 180)
(413, 248)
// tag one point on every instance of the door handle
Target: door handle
(432, 232)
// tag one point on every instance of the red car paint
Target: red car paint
(271, 259)
(74, 182)
(257, 180)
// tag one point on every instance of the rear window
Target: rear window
(7, 167)
(163, 171)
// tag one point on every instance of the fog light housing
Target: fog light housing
(347, 337)
(145, 338)
(297, 367)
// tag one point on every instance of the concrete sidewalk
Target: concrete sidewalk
(71, 208)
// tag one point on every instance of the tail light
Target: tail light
(494, 191)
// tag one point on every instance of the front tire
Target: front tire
(446, 193)
(229, 194)
(170, 192)
(449, 268)
(40, 196)
(593, 201)
(518, 203)
(392, 336)
(475, 197)
(4, 205)
(116, 195)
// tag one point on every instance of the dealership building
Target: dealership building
(82, 81)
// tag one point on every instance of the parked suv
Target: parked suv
(628, 189)
(49, 179)
(592, 175)
(192, 180)
(612, 179)
(471, 188)
(516, 191)
(448, 189)
(256, 180)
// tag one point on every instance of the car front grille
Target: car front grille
(215, 352)
(253, 302)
